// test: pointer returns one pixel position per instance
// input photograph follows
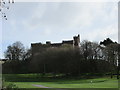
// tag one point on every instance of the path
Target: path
(41, 86)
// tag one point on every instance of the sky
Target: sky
(33, 22)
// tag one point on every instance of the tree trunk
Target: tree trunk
(111, 75)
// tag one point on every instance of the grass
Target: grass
(29, 80)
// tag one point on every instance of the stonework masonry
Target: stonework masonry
(38, 47)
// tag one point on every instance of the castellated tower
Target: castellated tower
(39, 47)
(76, 41)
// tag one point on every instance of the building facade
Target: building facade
(39, 47)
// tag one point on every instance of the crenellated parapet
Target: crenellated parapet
(39, 47)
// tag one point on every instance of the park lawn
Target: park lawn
(55, 85)
(81, 83)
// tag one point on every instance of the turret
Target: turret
(48, 42)
(76, 40)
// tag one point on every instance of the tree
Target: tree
(107, 42)
(85, 49)
(27, 54)
(111, 51)
(15, 51)
(90, 50)
(4, 5)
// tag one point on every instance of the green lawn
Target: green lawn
(29, 80)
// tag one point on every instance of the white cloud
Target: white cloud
(47, 32)
(103, 33)
(66, 15)
(57, 21)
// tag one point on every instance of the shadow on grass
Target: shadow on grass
(81, 82)
(36, 78)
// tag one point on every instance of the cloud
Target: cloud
(102, 33)
(38, 22)
(68, 15)
(49, 18)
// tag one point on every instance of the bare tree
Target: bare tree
(15, 51)
(27, 54)
(90, 50)
(3, 6)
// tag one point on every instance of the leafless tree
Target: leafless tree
(15, 51)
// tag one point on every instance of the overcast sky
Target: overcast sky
(32, 22)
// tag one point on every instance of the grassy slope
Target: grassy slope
(30, 80)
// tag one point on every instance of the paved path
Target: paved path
(41, 86)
